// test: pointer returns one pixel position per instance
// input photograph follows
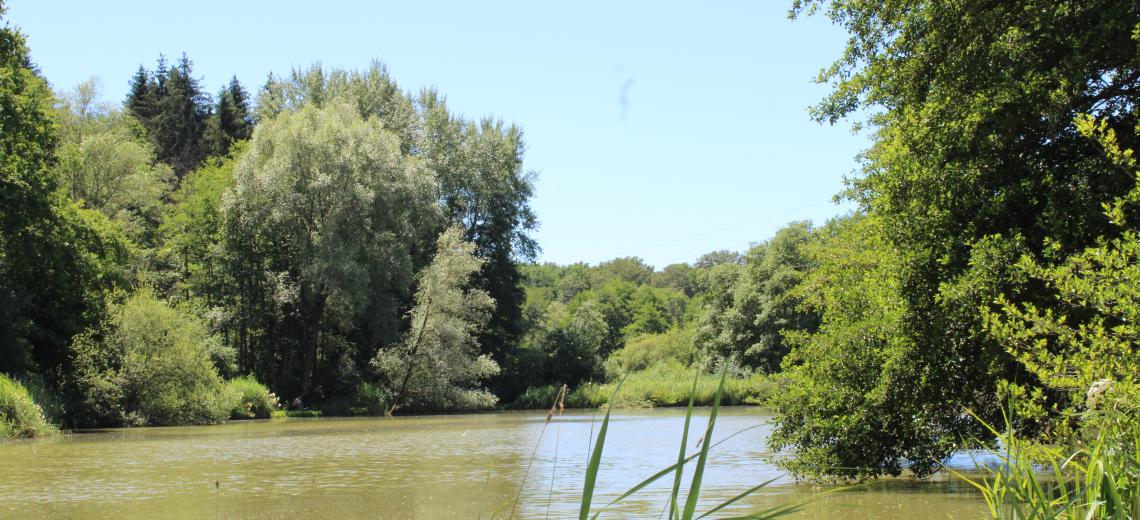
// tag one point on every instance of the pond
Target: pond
(445, 466)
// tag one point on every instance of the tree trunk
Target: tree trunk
(311, 343)
(413, 352)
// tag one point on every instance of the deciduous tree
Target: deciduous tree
(438, 366)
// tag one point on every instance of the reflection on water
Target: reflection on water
(458, 466)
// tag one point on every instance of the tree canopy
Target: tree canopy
(325, 225)
(976, 161)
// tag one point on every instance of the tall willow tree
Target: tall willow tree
(976, 161)
(437, 364)
(485, 191)
(482, 186)
(322, 225)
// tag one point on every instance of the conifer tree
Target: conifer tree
(231, 120)
(237, 123)
(172, 107)
(184, 110)
(140, 99)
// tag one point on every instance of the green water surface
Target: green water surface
(451, 466)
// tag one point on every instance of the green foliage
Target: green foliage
(105, 165)
(568, 343)
(752, 307)
(20, 416)
(668, 384)
(1099, 480)
(170, 104)
(371, 93)
(578, 316)
(323, 229)
(251, 400)
(231, 121)
(481, 184)
(854, 403)
(372, 399)
(193, 229)
(149, 364)
(536, 398)
(642, 352)
(367, 399)
(56, 258)
(437, 364)
(1086, 334)
(485, 190)
(712, 259)
(614, 302)
(630, 269)
(680, 277)
(976, 162)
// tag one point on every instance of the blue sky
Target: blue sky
(661, 130)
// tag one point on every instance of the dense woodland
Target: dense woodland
(173, 257)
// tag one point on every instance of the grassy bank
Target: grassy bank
(665, 384)
(20, 416)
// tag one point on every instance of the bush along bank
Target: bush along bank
(20, 416)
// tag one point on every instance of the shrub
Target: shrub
(149, 364)
(251, 400)
(366, 399)
(20, 416)
(640, 353)
(535, 398)
(372, 399)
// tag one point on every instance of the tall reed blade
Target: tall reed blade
(736, 498)
(695, 486)
(681, 451)
(657, 476)
(596, 459)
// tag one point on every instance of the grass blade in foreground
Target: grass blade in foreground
(656, 476)
(1098, 482)
(596, 459)
(733, 500)
(695, 487)
(681, 452)
(777, 511)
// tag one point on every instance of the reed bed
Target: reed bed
(1097, 481)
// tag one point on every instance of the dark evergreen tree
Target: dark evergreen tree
(184, 112)
(158, 79)
(231, 120)
(140, 100)
(237, 120)
(172, 107)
